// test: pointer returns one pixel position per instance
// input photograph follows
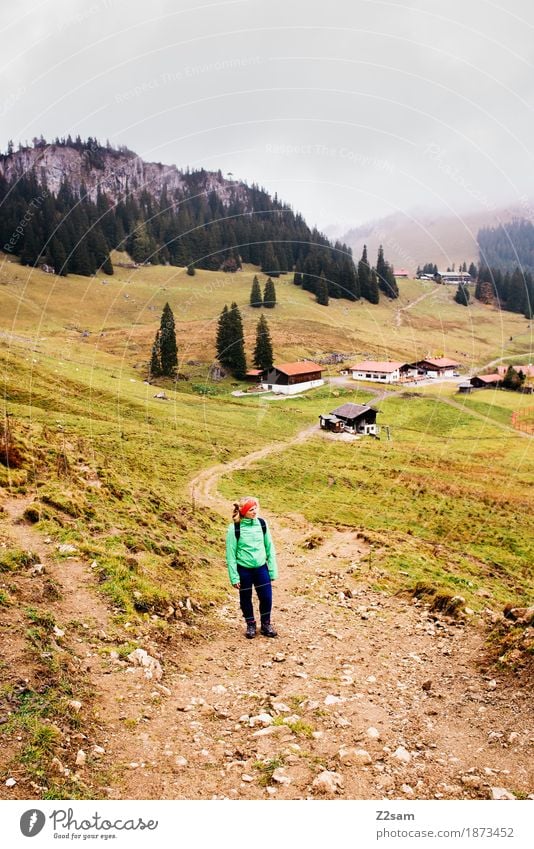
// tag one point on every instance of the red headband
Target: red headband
(248, 505)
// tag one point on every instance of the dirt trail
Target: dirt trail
(387, 698)
(398, 316)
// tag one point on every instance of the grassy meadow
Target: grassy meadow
(109, 464)
(444, 503)
(102, 464)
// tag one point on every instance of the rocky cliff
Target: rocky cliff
(117, 173)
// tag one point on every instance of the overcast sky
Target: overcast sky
(349, 109)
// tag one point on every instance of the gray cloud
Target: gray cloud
(350, 110)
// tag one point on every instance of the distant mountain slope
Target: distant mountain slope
(68, 204)
(410, 241)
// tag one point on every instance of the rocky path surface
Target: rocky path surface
(360, 696)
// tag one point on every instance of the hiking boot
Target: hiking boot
(268, 631)
(250, 633)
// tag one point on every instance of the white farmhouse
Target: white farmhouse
(385, 372)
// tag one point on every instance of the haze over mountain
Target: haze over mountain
(414, 239)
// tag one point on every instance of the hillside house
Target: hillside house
(435, 367)
(385, 372)
(290, 378)
(528, 371)
(454, 277)
(253, 375)
(486, 381)
(402, 272)
(356, 418)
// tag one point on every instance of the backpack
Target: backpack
(237, 529)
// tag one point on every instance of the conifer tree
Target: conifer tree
(322, 291)
(237, 347)
(364, 276)
(154, 369)
(191, 270)
(230, 343)
(223, 340)
(373, 296)
(57, 257)
(263, 352)
(513, 379)
(255, 294)
(462, 295)
(270, 263)
(516, 295)
(167, 343)
(386, 276)
(269, 294)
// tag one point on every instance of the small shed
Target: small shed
(357, 418)
(331, 422)
(253, 375)
(465, 388)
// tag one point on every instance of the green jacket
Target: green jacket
(251, 550)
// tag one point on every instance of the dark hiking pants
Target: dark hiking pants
(261, 580)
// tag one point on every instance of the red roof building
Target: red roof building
(290, 378)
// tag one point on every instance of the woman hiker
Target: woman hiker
(251, 560)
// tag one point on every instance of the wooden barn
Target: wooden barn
(357, 418)
(486, 381)
(331, 422)
(290, 378)
(435, 367)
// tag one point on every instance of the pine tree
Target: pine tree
(381, 268)
(154, 369)
(57, 257)
(373, 297)
(367, 285)
(462, 295)
(263, 352)
(270, 263)
(230, 343)
(191, 270)
(513, 379)
(255, 294)
(269, 295)
(223, 340)
(322, 291)
(516, 300)
(238, 362)
(167, 343)
(386, 276)
(472, 270)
